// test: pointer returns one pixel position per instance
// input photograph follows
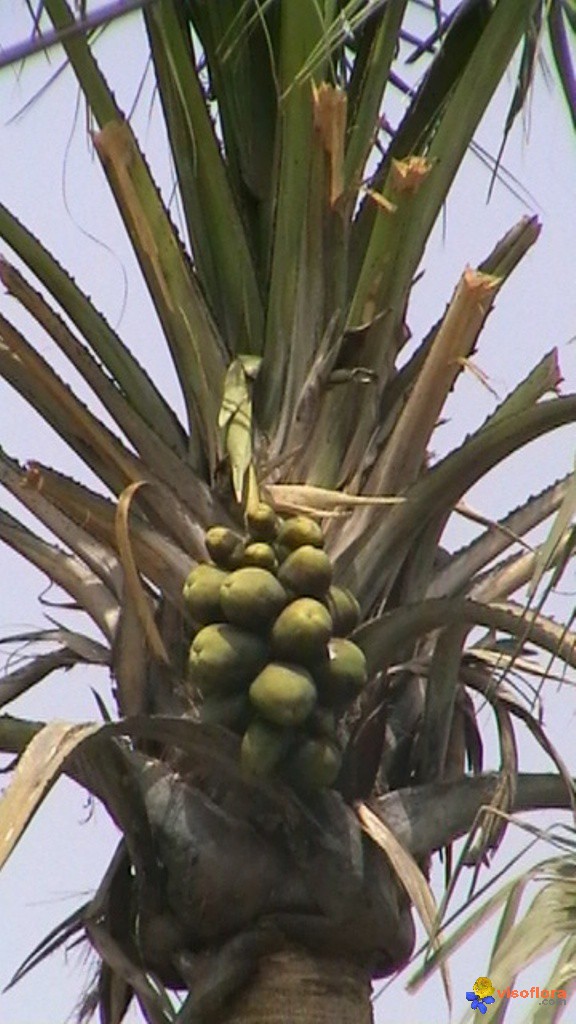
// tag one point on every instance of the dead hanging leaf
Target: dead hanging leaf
(410, 174)
(37, 771)
(134, 591)
(410, 877)
(330, 111)
(326, 503)
(321, 501)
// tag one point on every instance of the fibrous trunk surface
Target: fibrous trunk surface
(292, 987)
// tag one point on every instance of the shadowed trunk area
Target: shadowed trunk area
(292, 987)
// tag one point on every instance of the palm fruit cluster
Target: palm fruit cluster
(270, 657)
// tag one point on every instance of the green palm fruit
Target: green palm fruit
(341, 674)
(301, 631)
(307, 571)
(263, 747)
(300, 530)
(202, 593)
(231, 711)
(262, 522)
(223, 658)
(252, 597)
(313, 764)
(224, 546)
(261, 555)
(344, 609)
(283, 694)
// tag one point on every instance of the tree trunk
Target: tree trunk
(293, 987)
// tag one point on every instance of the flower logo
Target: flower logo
(482, 994)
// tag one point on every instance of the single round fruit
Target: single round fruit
(283, 693)
(261, 555)
(307, 571)
(341, 674)
(344, 609)
(224, 546)
(202, 593)
(313, 764)
(300, 530)
(262, 522)
(263, 747)
(301, 631)
(252, 597)
(232, 711)
(223, 658)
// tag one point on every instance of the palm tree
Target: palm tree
(284, 308)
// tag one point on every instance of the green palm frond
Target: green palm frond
(284, 300)
(526, 933)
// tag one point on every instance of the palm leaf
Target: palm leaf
(92, 326)
(284, 312)
(68, 571)
(214, 222)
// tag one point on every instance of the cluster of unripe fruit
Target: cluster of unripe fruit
(270, 658)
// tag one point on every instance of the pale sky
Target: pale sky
(48, 177)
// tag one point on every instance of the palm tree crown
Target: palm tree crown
(283, 298)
